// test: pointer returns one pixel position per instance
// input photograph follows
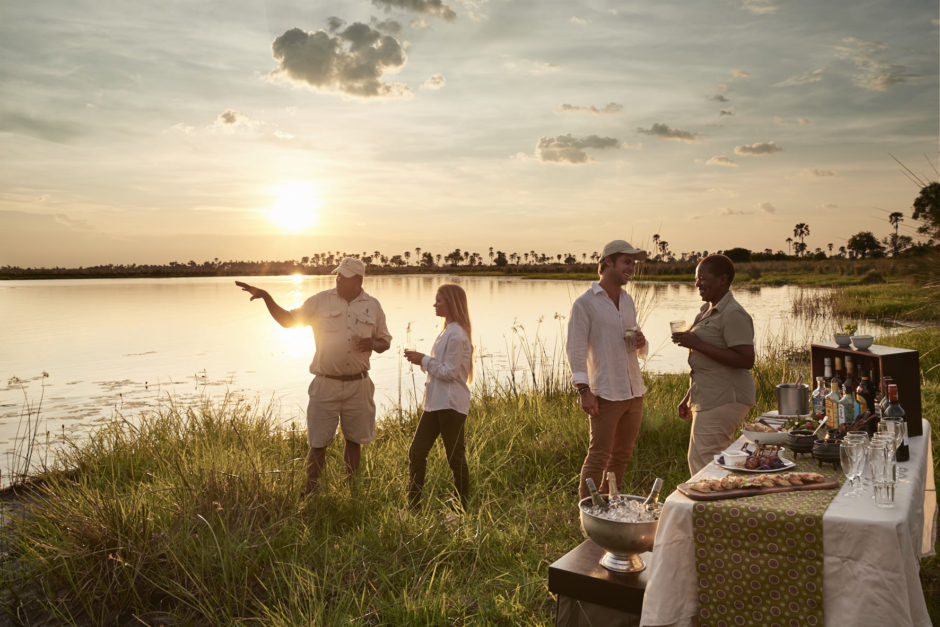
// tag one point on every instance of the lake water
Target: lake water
(123, 345)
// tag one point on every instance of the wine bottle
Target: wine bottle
(819, 398)
(894, 411)
(653, 497)
(838, 377)
(850, 381)
(864, 395)
(595, 495)
(885, 382)
(846, 408)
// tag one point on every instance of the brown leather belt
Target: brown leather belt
(346, 377)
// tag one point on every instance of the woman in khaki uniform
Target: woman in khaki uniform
(721, 355)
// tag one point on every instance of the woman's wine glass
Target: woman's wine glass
(848, 456)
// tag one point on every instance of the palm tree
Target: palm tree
(895, 219)
(829, 246)
(801, 230)
(789, 242)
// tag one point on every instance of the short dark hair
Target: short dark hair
(719, 265)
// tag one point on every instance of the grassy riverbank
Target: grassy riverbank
(194, 515)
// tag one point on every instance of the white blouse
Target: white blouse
(448, 368)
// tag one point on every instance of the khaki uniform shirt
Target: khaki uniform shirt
(724, 325)
(337, 325)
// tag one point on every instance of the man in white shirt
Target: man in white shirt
(603, 341)
(348, 325)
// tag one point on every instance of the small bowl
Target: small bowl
(733, 457)
(862, 342)
(842, 339)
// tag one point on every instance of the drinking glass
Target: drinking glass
(883, 469)
(848, 456)
(677, 326)
(860, 438)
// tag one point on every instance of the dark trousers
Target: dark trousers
(449, 424)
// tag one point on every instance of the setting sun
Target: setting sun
(296, 206)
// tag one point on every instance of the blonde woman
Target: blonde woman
(446, 394)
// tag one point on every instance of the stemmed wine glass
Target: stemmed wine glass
(849, 458)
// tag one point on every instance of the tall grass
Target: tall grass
(193, 514)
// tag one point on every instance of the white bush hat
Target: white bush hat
(350, 267)
(621, 246)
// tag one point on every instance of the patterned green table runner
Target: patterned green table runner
(760, 558)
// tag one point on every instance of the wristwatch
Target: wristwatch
(584, 390)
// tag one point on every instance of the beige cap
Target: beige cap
(350, 267)
(621, 246)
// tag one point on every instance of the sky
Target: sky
(270, 130)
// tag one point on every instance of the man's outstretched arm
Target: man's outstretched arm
(282, 316)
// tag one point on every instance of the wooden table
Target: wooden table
(588, 593)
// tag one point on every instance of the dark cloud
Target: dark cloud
(229, 117)
(387, 26)
(435, 81)
(766, 207)
(41, 128)
(719, 98)
(610, 107)
(759, 148)
(352, 62)
(569, 149)
(726, 112)
(428, 7)
(665, 132)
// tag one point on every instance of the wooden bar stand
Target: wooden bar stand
(588, 593)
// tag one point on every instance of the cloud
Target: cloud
(719, 98)
(435, 81)
(759, 7)
(810, 77)
(231, 120)
(728, 211)
(530, 67)
(726, 112)
(426, 7)
(419, 23)
(387, 26)
(815, 173)
(759, 148)
(799, 122)
(738, 74)
(351, 62)
(580, 21)
(569, 149)
(766, 207)
(610, 107)
(664, 132)
(38, 127)
(872, 73)
(828, 206)
(722, 161)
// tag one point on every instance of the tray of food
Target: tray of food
(751, 458)
(770, 428)
(737, 486)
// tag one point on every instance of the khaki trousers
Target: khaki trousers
(613, 433)
(712, 432)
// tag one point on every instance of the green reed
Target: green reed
(193, 514)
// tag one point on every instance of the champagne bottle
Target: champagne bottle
(894, 411)
(827, 371)
(595, 495)
(653, 497)
(613, 495)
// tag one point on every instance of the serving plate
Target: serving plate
(787, 465)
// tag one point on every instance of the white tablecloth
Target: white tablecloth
(871, 558)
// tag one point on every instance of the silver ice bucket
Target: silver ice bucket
(792, 399)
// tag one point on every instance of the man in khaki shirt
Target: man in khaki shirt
(721, 355)
(348, 325)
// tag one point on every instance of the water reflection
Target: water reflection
(121, 345)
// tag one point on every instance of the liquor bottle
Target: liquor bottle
(838, 377)
(653, 497)
(885, 382)
(819, 398)
(894, 411)
(827, 371)
(595, 495)
(864, 396)
(832, 406)
(846, 407)
(850, 381)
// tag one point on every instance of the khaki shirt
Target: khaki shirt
(337, 325)
(724, 325)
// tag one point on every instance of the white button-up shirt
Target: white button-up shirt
(598, 353)
(448, 368)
